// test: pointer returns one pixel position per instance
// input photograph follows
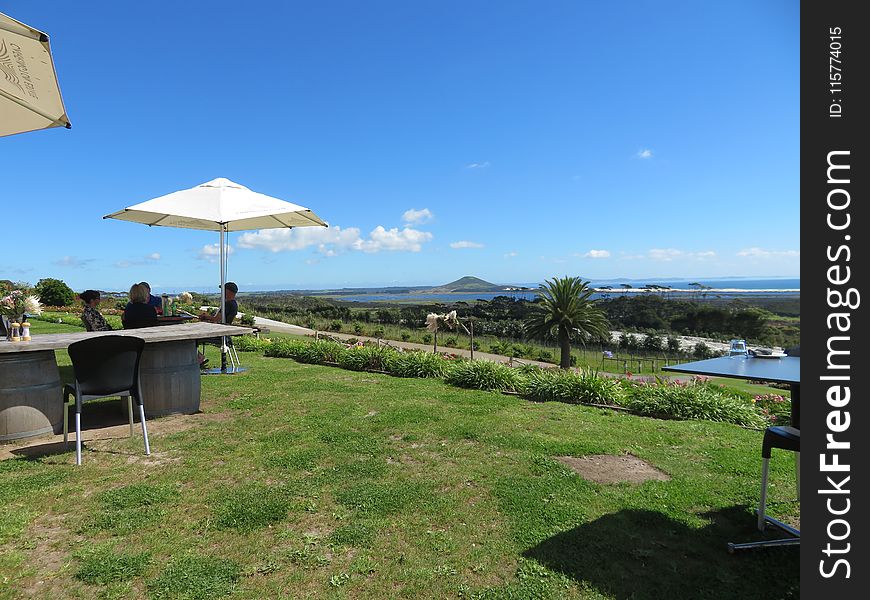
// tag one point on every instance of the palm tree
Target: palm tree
(566, 312)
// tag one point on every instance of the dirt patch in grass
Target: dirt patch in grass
(609, 468)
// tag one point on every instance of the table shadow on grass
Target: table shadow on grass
(645, 555)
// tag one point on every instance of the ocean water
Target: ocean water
(785, 287)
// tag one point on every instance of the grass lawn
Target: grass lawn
(303, 481)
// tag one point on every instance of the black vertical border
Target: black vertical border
(820, 135)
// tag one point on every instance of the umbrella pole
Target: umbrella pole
(223, 296)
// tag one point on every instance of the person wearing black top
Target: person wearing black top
(231, 308)
(138, 312)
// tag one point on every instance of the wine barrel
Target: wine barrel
(170, 378)
(30, 395)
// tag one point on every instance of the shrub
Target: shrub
(690, 401)
(702, 350)
(335, 325)
(313, 352)
(249, 343)
(450, 341)
(674, 346)
(406, 336)
(568, 386)
(545, 356)
(358, 328)
(379, 332)
(496, 348)
(247, 319)
(365, 358)
(653, 343)
(418, 364)
(427, 338)
(773, 407)
(54, 292)
(484, 375)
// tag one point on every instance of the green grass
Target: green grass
(309, 481)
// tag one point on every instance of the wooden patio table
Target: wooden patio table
(31, 389)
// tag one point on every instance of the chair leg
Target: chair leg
(78, 436)
(144, 429)
(130, 412)
(65, 424)
(797, 473)
(762, 504)
(236, 354)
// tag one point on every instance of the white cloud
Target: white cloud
(511, 254)
(665, 254)
(153, 256)
(465, 244)
(335, 240)
(474, 165)
(417, 217)
(597, 254)
(762, 253)
(73, 262)
(645, 153)
(212, 252)
(406, 240)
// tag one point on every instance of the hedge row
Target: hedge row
(662, 399)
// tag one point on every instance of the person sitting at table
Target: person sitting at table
(155, 301)
(231, 308)
(91, 316)
(138, 312)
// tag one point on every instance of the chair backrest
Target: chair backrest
(4, 325)
(107, 364)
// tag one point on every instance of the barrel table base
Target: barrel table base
(30, 395)
(169, 375)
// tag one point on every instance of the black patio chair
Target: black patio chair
(784, 438)
(105, 366)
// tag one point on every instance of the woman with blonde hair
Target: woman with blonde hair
(138, 312)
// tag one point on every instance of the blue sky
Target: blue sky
(514, 141)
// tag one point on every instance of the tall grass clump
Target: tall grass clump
(249, 343)
(484, 375)
(312, 352)
(691, 401)
(545, 385)
(366, 358)
(418, 364)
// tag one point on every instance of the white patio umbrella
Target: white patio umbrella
(29, 93)
(224, 206)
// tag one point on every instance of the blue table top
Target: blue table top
(778, 370)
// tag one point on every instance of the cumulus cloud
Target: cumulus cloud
(212, 252)
(417, 217)
(645, 153)
(153, 256)
(597, 254)
(73, 262)
(475, 165)
(335, 240)
(762, 253)
(465, 244)
(511, 254)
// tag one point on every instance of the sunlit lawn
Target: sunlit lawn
(307, 481)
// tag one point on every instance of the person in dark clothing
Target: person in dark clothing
(91, 316)
(138, 312)
(231, 307)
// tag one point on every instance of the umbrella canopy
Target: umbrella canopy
(29, 94)
(219, 205)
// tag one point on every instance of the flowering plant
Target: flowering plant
(17, 304)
